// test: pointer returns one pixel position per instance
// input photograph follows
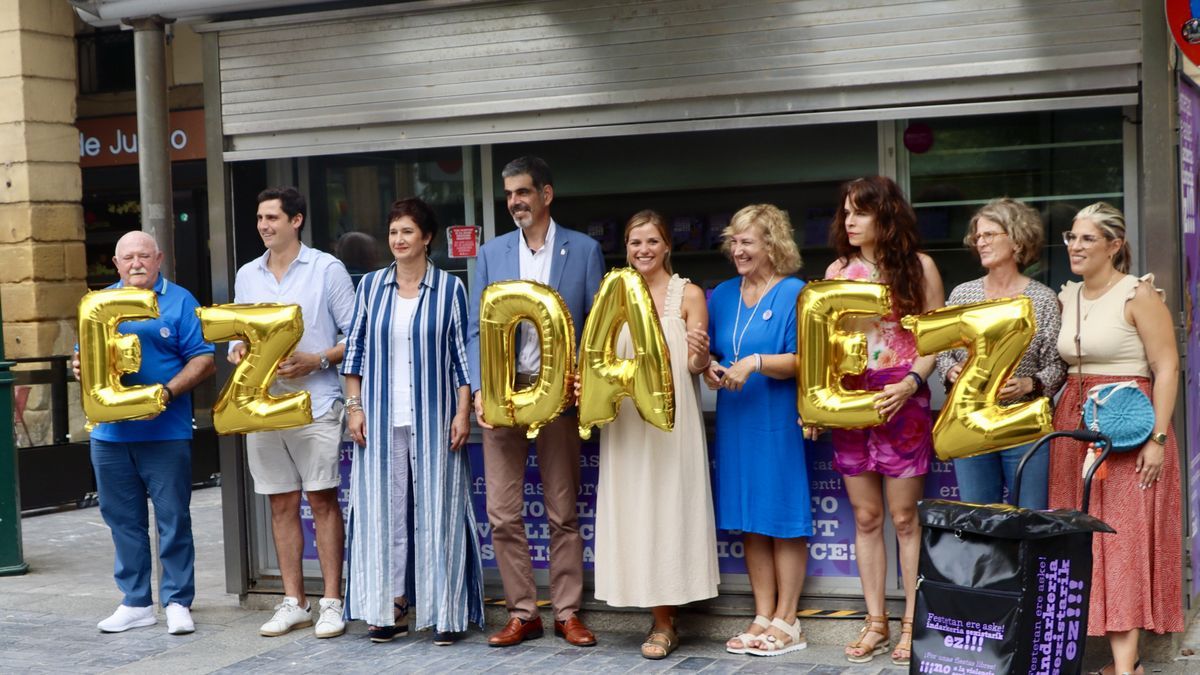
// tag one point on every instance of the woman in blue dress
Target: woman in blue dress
(761, 472)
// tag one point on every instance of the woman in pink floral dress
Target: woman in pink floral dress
(875, 236)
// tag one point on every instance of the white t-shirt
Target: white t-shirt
(402, 314)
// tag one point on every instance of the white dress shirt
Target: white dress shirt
(319, 283)
(535, 266)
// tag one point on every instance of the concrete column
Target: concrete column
(154, 160)
(41, 221)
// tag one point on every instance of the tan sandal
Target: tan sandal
(659, 644)
(743, 639)
(868, 651)
(904, 644)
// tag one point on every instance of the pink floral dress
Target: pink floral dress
(902, 447)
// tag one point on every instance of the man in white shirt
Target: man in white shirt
(306, 458)
(571, 263)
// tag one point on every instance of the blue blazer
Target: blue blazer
(575, 273)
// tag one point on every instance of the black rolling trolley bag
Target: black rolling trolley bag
(1003, 589)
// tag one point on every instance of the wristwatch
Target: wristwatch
(1160, 438)
(324, 362)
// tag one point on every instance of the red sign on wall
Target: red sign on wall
(1184, 23)
(113, 141)
(464, 240)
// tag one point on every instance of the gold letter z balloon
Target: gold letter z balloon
(105, 355)
(996, 334)
(826, 352)
(505, 304)
(607, 377)
(271, 333)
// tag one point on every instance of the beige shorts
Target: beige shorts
(303, 458)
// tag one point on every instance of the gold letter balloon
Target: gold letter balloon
(827, 352)
(105, 355)
(271, 333)
(608, 376)
(996, 333)
(505, 304)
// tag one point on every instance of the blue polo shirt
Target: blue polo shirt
(168, 343)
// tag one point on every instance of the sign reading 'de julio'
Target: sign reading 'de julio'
(113, 141)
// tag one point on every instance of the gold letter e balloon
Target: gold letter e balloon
(271, 333)
(105, 355)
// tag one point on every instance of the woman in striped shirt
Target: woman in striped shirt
(408, 401)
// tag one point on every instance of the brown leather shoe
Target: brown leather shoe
(517, 631)
(572, 630)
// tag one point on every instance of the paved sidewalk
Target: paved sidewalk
(48, 625)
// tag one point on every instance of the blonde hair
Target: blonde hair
(1111, 222)
(1020, 221)
(650, 217)
(777, 235)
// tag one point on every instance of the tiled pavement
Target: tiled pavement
(48, 619)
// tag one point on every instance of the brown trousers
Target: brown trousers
(505, 452)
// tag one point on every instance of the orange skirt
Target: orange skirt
(1137, 572)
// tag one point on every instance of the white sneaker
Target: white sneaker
(127, 617)
(288, 615)
(179, 619)
(329, 619)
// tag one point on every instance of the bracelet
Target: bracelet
(351, 409)
(170, 394)
(758, 359)
(353, 401)
(916, 376)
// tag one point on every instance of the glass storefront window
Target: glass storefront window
(352, 194)
(1057, 162)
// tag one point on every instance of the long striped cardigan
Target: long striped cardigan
(446, 577)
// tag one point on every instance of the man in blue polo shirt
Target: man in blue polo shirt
(153, 457)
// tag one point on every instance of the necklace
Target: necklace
(739, 338)
(1086, 305)
(874, 266)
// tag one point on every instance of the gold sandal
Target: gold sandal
(659, 644)
(904, 644)
(871, 624)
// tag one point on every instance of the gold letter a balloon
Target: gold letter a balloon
(271, 333)
(624, 299)
(105, 355)
(503, 305)
(826, 352)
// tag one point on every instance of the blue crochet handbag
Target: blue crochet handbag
(1121, 411)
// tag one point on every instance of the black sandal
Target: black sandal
(445, 638)
(399, 627)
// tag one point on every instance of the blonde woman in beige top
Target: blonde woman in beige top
(1115, 328)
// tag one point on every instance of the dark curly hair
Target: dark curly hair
(896, 240)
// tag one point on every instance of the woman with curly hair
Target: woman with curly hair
(875, 237)
(1006, 236)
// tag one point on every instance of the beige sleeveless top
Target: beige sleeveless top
(1109, 344)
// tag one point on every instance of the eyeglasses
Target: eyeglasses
(1087, 240)
(987, 237)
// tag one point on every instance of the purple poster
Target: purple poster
(1189, 145)
(831, 548)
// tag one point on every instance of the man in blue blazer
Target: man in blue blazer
(570, 262)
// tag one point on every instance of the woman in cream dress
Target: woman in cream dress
(655, 532)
